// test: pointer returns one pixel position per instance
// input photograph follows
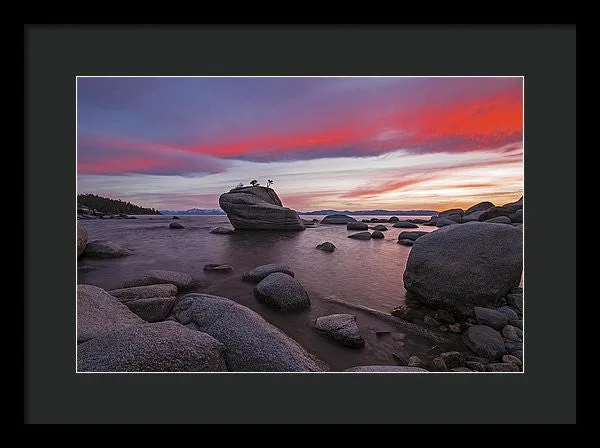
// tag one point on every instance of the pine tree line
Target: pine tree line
(113, 206)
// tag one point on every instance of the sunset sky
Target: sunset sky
(328, 143)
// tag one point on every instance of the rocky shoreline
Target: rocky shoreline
(462, 285)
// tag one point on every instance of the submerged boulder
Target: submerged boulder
(326, 246)
(222, 231)
(105, 249)
(361, 236)
(283, 292)
(405, 225)
(411, 235)
(258, 208)
(357, 226)
(257, 274)
(337, 219)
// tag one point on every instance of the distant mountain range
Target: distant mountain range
(372, 212)
(201, 211)
(194, 211)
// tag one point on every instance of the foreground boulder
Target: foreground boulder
(341, 328)
(105, 249)
(258, 208)
(144, 292)
(337, 219)
(175, 225)
(222, 231)
(98, 312)
(377, 234)
(159, 276)
(283, 292)
(253, 344)
(82, 237)
(461, 266)
(326, 246)
(359, 369)
(260, 272)
(157, 347)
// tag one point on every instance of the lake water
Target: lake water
(367, 273)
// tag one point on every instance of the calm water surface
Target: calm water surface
(367, 273)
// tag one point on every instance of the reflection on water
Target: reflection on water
(359, 272)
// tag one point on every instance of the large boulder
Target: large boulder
(143, 292)
(253, 344)
(258, 208)
(257, 274)
(337, 219)
(152, 347)
(283, 292)
(357, 226)
(482, 206)
(82, 238)
(175, 225)
(98, 312)
(159, 276)
(377, 234)
(341, 328)
(105, 249)
(461, 266)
